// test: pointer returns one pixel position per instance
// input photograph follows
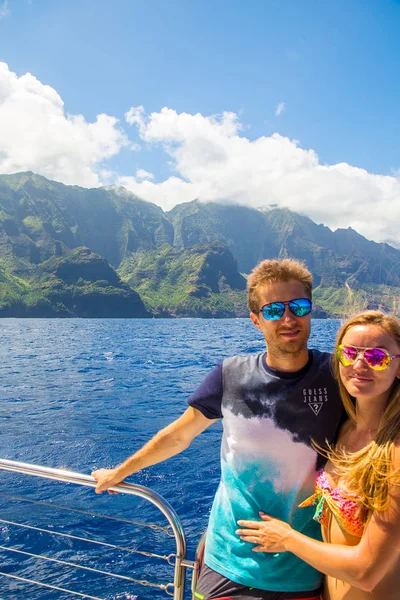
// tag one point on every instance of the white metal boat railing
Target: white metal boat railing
(178, 560)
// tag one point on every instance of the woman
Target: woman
(357, 495)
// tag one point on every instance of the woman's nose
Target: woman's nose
(360, 362)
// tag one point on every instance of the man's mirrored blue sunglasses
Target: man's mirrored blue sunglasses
(275, 310)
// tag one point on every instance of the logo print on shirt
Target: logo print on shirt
(315, 407)
(315, 398)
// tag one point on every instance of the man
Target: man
(272, 405)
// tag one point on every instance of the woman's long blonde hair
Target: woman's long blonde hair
(369, 471)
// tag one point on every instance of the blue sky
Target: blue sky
(333, 65)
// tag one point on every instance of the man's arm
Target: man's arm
(168, 442)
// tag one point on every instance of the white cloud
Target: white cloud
(213, 161)
(280, 108)
(135, 116)
(37, 134)
(210, 156)
(142, 174)
(4, 10)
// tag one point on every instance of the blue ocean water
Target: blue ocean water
(83, 394)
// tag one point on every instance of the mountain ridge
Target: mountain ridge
(195, 247)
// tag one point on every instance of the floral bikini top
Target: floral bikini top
(343, 505)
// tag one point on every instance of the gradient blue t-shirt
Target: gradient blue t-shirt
(267, 461)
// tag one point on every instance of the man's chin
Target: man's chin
(293, 347)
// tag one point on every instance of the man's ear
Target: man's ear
(254, 318)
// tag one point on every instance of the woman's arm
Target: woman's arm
(362, 566)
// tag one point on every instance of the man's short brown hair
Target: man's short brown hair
(276, 271)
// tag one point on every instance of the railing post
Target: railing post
(198, 561)
(179, 578)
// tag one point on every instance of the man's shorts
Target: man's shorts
(213, 586)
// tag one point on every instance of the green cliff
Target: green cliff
(104, 252)
(201, 281)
